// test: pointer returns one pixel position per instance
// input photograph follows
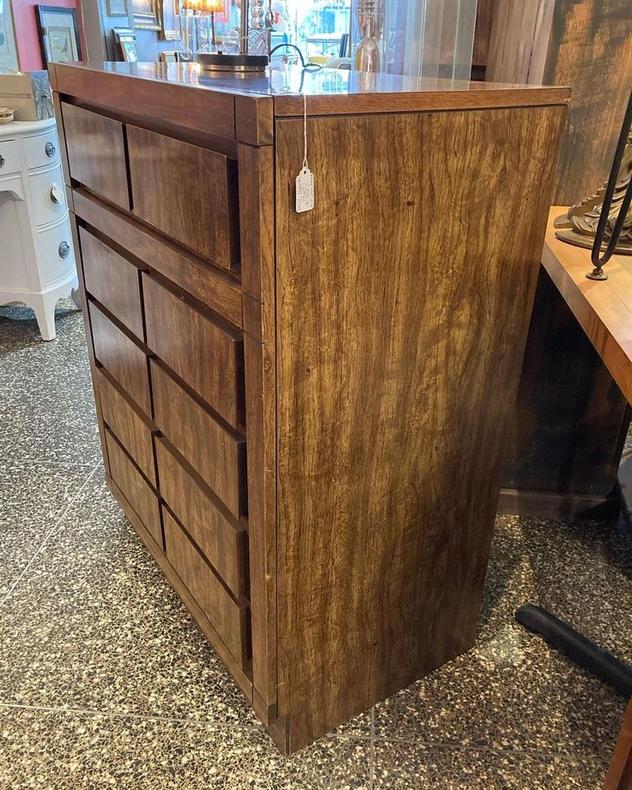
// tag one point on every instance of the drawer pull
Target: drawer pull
(55, 194)
(49, 149)
(64, 249)
(2, 160)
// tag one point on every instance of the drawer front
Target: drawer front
(48, 196)
(42, 149)
(186, 192)
(227, 617)
(113, 281)
(57, 255)
(121, 357)
(10, 161)
(215, 453)
(96, 153)
(222, 543)
(134, 488)
(131, 431)
(205, 355)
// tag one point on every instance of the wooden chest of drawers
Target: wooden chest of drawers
(303, 415)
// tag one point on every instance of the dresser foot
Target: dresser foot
(44, 309)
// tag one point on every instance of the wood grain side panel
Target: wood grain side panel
(227, 617)
(204, 282)
(220, 541)
(137, 492)
(96, 153)
(124, 360)
(131, 431)
(206, 356)
(256, 190)
(401, 326)
(216, 454)
(619, 776)
(113, 281)
(186, 192)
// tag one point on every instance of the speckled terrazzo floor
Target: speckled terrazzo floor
(106, 682)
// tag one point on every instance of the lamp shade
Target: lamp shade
(212, 6)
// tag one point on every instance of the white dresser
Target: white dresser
(37, 262)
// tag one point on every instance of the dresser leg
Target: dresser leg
(44, 308)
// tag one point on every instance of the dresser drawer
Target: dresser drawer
(222, 543)
(134, 488)
(10, 161)
(121, 357)
(48, 195)
(227, 617)
(206, 355)
(113, 281)
(131, 431)
(41, 149)
(216, 454)
(96, 153)
(186, 192)
(56, 252)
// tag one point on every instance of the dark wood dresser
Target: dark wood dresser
(303, 414)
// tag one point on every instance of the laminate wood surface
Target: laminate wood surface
(96, 153)
(202, 353)
(136, 490)
(123, 359)
(216, 453)
(130, 429)
(113, 281)
(206, 283)
(400, 340)
(186, 192)
(222, 542)
(227, 617)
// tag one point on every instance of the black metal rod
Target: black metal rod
(598, 261)
(580, 650)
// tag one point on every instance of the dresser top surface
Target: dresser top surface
(332, 91)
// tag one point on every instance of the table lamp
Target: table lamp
(213, 7)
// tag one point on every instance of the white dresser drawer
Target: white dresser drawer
(9, 157)
(56, 252)
(48, 196)
(41, 150)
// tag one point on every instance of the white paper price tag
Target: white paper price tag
(304, 190)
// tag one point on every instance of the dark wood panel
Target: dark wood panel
(228, 617)
(113, 281)
(186, 192)
(400, 340)
(96, 153)
(137, 492)
(130, 429)
(206, 283)
(221, 542)
(206, 356)
(121, 357)
(571, 416)
(256, 204)
(216, 454)
(619, 776)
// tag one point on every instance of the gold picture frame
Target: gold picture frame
(146, 15)
(170, 20)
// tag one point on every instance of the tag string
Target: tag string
(305, 165)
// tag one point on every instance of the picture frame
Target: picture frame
(146, 14)
(170, 20)
(58, 34)
(117, 8)
(125, 39)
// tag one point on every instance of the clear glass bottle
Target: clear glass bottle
(368, 56)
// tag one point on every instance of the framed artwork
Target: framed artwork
(116, 7)
(58, 34)
(170, 20)
(146, 16)
(126, 43)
